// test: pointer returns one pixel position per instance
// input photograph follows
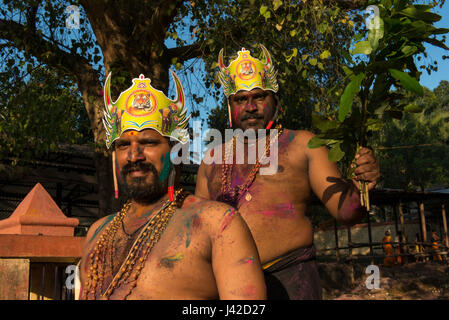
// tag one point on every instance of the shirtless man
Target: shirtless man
(164, 245)
(274, 206)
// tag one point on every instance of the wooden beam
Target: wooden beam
(337, 252)
(401, 217)
(349, 241)
(395, 211)
(445, 235)
(423, 221)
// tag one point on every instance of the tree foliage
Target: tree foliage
(414, 149)
(307, 41)
(40, 113)
(395, 36)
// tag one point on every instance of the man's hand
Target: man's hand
(367, 168)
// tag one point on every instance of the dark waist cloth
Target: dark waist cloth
(294, 277)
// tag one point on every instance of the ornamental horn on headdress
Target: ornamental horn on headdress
(143, 107)
(247, 72)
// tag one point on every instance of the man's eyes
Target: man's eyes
(256, 97)
(241, 99)
(259, 96)
(124, 144)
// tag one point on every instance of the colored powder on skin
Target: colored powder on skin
(168, 261)
(351, 208)
(165, 159)
(108, 219)
(228, 217)
(193, 223)
(283, 210)
(118, 172)
(246, 291)
(249, 260)
(291, 137)
(266, 110)
(196, 222)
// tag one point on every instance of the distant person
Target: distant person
(389, 260)
(436, 247)
(401, 248)
(418, 249)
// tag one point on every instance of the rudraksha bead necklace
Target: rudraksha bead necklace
(134, 262)
(233, 195)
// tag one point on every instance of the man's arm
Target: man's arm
(235, 259)
(202, 189)
(340, 196)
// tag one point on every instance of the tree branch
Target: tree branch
(188, 52)
(49, 53)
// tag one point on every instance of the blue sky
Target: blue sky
(431, 81)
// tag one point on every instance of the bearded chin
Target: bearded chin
(141, 191)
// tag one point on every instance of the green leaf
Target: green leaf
(313, 61)
(348, 71)
(335, 153)
(316, 142)
(262, 10)
(415, 13)
(325, 54)
(374, 124)
(436, 42)
(413, 108)
(409, 50)
(362, 47)
(276, 4)
(323, 124)
(347, 97)
(407, 81)
(439, 31)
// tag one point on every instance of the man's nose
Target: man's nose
(250, 105)
(135, 153)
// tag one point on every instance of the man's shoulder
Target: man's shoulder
(298, 136)
(295, 141)
(206, 206)
(96, 227)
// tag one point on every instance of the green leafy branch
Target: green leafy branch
(395, 36)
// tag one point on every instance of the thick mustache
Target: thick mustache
(138, 166)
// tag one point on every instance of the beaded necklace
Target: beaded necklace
(134, 262)
(232, 195)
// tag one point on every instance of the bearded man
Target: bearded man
(274, 205)
(164, 243)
